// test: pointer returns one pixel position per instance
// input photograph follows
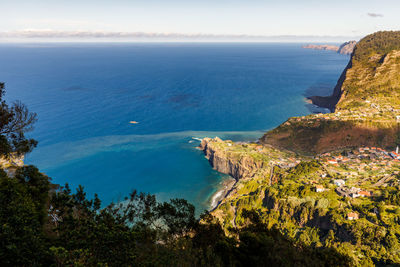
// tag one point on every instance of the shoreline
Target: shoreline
(225, 188)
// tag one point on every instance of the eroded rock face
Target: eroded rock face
(347, 48)
(225, 162)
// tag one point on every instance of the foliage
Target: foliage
(15, 121)
(377, 43)
(138, 231)
(304, 168)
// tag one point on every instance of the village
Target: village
(354, 174)
(362, 172)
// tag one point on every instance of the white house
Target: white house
(339, 182)
(319, 188)
(352, 216)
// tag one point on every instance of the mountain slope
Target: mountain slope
(365, 101)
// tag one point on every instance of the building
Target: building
(352, 216)
(394, 155)
(363, 193)
(319, 188)
(339, 182)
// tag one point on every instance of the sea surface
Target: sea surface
(85, 96)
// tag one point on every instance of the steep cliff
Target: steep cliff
(344, 49)
(299, 195)
(331, 101)
(347, 48)
(230, 160)
(365, 102)
(372, 73)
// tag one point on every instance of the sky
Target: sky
(196, 19)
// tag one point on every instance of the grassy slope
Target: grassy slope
(368, 103)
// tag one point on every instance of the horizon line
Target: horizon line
(85, 36)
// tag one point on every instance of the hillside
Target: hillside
(328, 180)
(348, 200)
(365, 101)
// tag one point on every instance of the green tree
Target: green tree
(15, 121)
(21, 225)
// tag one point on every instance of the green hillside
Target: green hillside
(366, 101)
(328, 180)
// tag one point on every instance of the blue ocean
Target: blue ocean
(86, 95)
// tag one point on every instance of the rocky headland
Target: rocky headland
(344, 49)
(322, 47)
(327, 179)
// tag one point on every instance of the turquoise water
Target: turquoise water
(86, 94)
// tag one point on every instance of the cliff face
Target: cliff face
(230, 162)
(344, 49)
(365, 102)
(283, 187)
(347, 48)
(372, 74)
(331, 101)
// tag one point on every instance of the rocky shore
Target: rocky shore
(224, 190)
(241, 161)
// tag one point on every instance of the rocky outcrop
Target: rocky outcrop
(322, 47)
(347, 48)
(344, 49)
(225, 161)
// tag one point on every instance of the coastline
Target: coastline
(225, 188)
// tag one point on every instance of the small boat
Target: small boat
(133, 122)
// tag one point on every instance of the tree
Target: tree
(15, 121)
(330, 239)
(21, 225)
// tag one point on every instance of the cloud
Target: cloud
(35, 34)
(375, 15)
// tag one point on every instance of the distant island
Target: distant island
(344, 49)
(328, 180)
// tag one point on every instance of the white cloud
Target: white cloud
(375, 15)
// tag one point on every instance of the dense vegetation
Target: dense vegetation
(42, 224)
(377, 43)
(285, 197)
(61, 228)
(15, 121)
(319, 220)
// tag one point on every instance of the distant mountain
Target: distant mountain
(345, 48)
(322, 47)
